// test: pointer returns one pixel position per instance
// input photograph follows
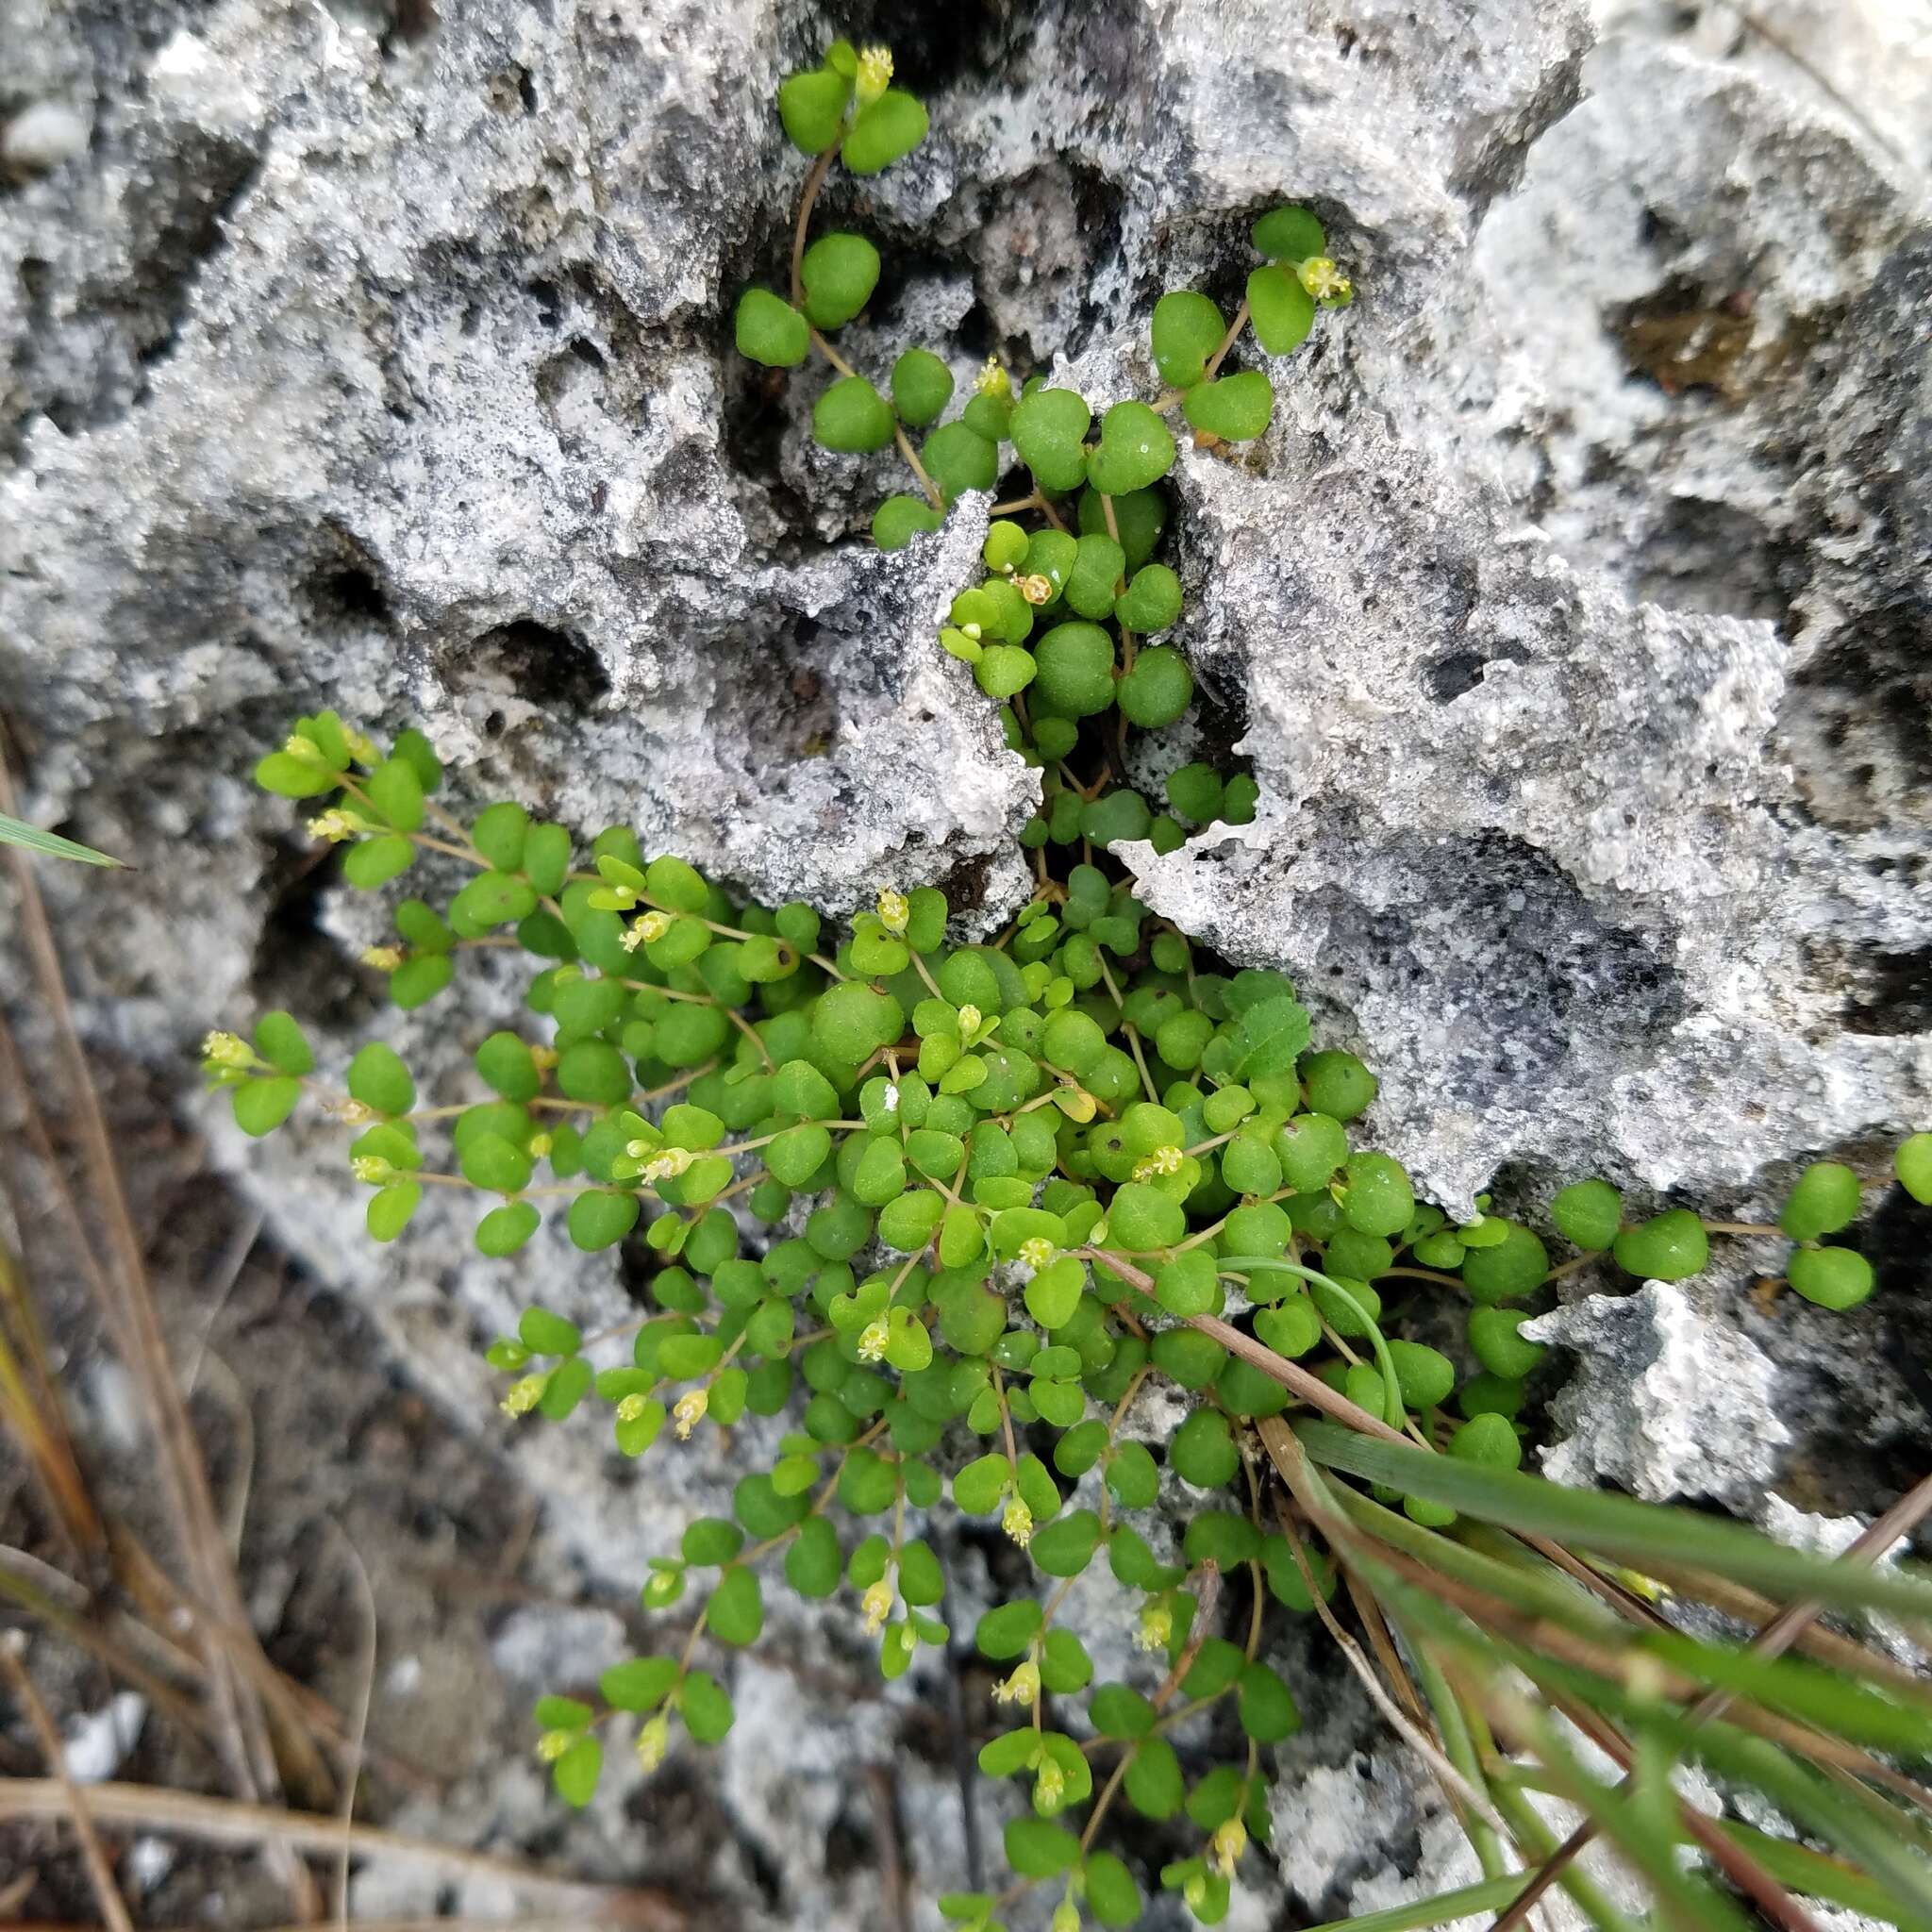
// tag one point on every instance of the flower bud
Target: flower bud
(653, 1741)
(524, 1395)
(1023, 1687)
(1017, 1521)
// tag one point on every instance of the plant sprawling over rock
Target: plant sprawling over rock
(950, 1205)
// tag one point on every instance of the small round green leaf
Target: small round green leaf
(1235, 407)
(769, 330)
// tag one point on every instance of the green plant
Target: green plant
(1007, 1184)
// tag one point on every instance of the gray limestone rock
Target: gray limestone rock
(1572, 614)
(1633, 860)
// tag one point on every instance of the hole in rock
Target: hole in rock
(1452, 676)
(346, 593)
(935, 42)
(1854, 722)
(1892, 996)
(551, 669)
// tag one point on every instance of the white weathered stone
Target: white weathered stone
(42, 137)
(1675, 1401)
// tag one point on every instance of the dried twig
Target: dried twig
(1285, 1452)
(222, 1820)
(99, 1872)
(894, 1884)
(359, 1725)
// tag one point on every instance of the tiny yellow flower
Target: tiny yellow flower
(1227, 1846)
(973, 631)
(1049, 1785)
(1156, 1628)
(667, 1163)
(540, 1145)
(894, 909)
(544, 1058)
(992, 380)
(1037, 1253)
(372, 1170)
(877, 1606)
(644, 930)
(553, 1745)
(1037, 589)
(524, 1395)
(351, 1113)
(872, 1344)
(227, 1050)
(1322, 279)
(1017, 1521)
(875, 75)
(632, 1407)
(335, 826)
(970, 1017)
(1023, 1687)
(653, 1741)
(689, 1411)
(298, 746)
(361, 748)
(384, 959)
(1161, 1161)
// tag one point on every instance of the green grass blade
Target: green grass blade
(1492, 1896)
(1799, 1869)
(1460, 1749)
(1533, 1586)
(1685, 1899)
(1822, 1698)
(1882, 1844)
(1828, 1699)
(49, 844)
(1619, 1526)
(1528, 1827)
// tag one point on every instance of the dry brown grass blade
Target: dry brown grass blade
(223, 1821)
(100, 1872)
(523, 1923)
(1286, 1455)
(358, 1725)
(1815, 1639)
(297, 1714)
(1548, 1638)
(1744, 1871)
(128, 1307)
(31, 1408)
(895, 1886)
(1776, 1637)
(1370, 1612)
(36, 1597)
